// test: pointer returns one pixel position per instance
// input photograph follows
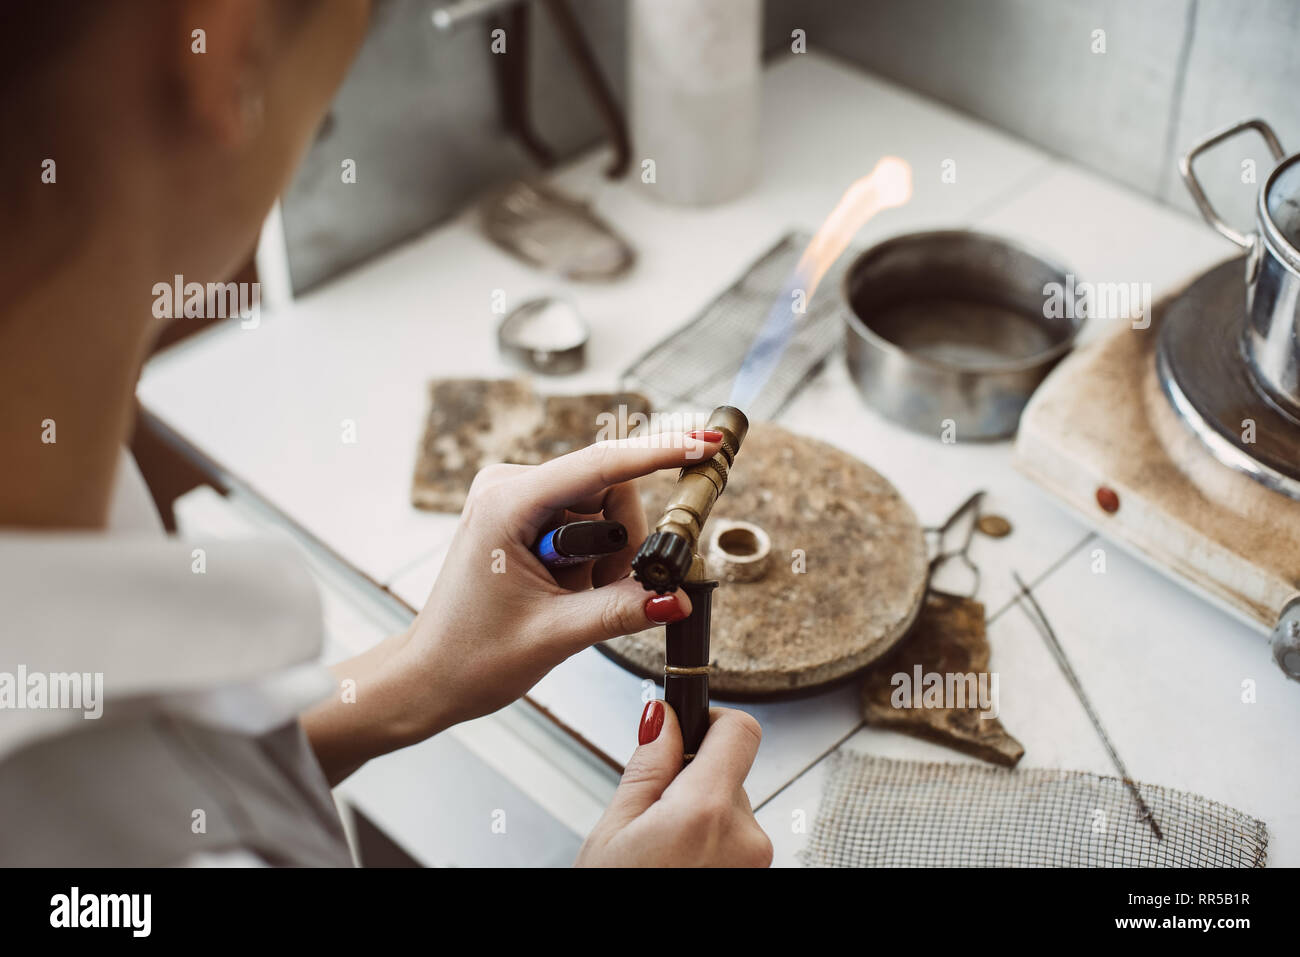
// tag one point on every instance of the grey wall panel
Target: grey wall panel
(779, 18)
(1244, 61)
(419, 114)
(1027, 66)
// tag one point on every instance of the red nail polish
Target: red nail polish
(664, 609)
(706, 435)
(652, 722)
(1107, 499)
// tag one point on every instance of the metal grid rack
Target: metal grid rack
(697, 363)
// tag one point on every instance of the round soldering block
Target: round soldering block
(845, 578)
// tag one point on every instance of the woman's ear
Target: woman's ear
(223, 66)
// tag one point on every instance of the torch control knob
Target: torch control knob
(662, 562)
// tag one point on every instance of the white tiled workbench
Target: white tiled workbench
(1164, 669)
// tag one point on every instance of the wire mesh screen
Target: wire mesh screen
(877, 812)
(698, 362)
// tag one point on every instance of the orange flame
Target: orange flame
(885, 187)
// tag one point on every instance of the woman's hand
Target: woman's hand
(665, 816)
(497, 620)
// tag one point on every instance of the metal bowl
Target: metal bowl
(953, 330)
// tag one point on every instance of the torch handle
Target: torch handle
(686, 667)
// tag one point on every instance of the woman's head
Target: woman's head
(171, 123)
(143, 139)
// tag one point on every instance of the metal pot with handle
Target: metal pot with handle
(1271, 334)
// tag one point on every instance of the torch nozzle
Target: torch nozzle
(665, 557)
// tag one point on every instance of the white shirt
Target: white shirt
(225, 633)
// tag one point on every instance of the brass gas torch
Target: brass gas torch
(669, 559)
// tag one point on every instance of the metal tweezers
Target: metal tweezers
(1031, 608)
